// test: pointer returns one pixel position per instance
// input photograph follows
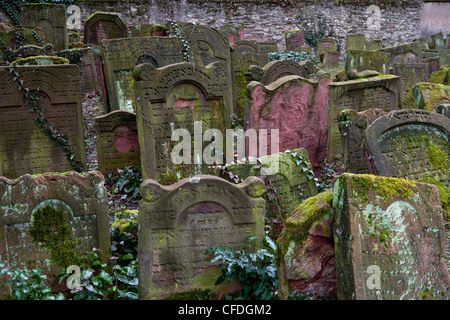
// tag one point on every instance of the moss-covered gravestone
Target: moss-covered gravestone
(178, 223)
(294, 39)
(361, 94)
(404, 53)
(208, 45)
(298, 108)
(305, 251)
(57, 143)
(411, 144)
(291, 182)
(427, 96)
(325, 45)
(51, 18)
(117, 141)
(51, 220)
(366, 60)
(103, 25)
(355, 41)
(177, 96)
(120, 56)
(389, 239)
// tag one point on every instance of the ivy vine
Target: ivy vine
(187, 54)
(32, 102)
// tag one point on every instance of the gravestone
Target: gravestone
(294, 39)
(51, 18)
(410, 74)
(331, 60)
(178, 223)
(355, 42)
(25, 148)
(15, 38)
(275, 70)
(117, 141)
(32, 50)
(209, 45)
(233, 33)
(352, 125)
(411, 144)
(427, 96)
(174, 97)
(120, 56)
(82, 198)
(389, 239)
(305, 255)
(298, 108)
(363, 94)
(84, 58)
(433, 65)
(438, 40)
(325, 45)
(141, 30)
(293, 181)
(374, 44)
(103, 25)
(404, 53)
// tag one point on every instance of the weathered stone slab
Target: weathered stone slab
(83, 200)
(325, 45)
(351, 126)
(174, 97)
(374, 44)
(438, 40)
(293, 181)
(51, 18)
(378, 92)
(298, 108)
(117, 141)
(410, 74)
(208, 45)
(233, 33)
(411, 144)
(389, 238)
(404, 53)
(16, 38)
(25, 148)
(355, 42)
(305, 251)
(427, 96)
(331, 60)
(120, 56)
(275, 70)
(103, 25)
(294, 39)
(178, 223)
(84, 58)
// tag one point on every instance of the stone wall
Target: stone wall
(392, 21)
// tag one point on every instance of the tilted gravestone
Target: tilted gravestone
(103, 25)
(352, 125)
(363, 94)
(209, 45)
(83, 200)
(411, 144)
(366, 60)
(294, 39)
(117, 141)
(427, 96)
(25, 148)
(292, 181)
(298, 108)
(410, 74)
(120, 56)
(51, 18)
(178, 223)
(84, 58)
(389, 239)
(174, 97)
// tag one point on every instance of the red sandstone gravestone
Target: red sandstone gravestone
(389, 239)
(298, 108)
